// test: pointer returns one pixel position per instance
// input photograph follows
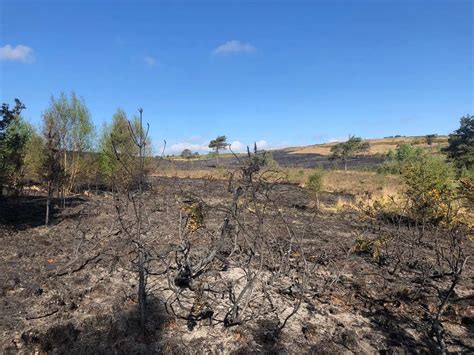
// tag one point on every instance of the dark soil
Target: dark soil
(68, 288)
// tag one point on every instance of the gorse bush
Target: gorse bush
(430, 189)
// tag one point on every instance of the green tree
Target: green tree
(346, 150)
(13, 151)
(220, 143)
(187, 154)
(315, 185)
(119, 152)
(79, 139)
(115, 136)
(460, 147)
(34, 156)
(52, 171)
(8, 115)
(71, 121)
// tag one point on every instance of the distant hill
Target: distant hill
(377, 145)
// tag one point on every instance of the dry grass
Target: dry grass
(358, 183)
(377, 146)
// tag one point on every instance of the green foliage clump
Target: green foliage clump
(34, 156)
(460, 147)
(269, 161)
(430, 189)
(13, 150)
(187, 154)
(7, 115)
(348, 149)
(315, 185)
(119, 153)
(69, 119)
(403, 155)
(12, 142)
(220, 143)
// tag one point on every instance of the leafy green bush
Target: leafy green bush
(12, 152)
(187, 154)
(431, 189)
(403, 155)
(269, 161)
(315, 185)
(461, 144)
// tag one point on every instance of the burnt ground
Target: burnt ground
(284, 159)
(68, 288)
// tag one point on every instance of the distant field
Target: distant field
(377, 146)
(309, 157)
(356, 183)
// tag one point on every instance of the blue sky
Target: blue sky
(282, 73)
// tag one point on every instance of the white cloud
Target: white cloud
(262, 144)
(20, 53)
(201, 145)
(150, 61)
(177, 148)
(238, 147)
(234, 47)
(336, 140)
(195, 138)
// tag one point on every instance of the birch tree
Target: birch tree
(71, 122)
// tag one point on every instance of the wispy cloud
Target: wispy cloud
(150, 61)
(336, 140)
(234, 47)
(319, 138)
(262, 144)
(238, 147)
(20, 53)
(177, 148)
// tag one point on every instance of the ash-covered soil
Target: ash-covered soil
(69, 288)
(283, 158)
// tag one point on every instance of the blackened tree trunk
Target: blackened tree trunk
(48, 203)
